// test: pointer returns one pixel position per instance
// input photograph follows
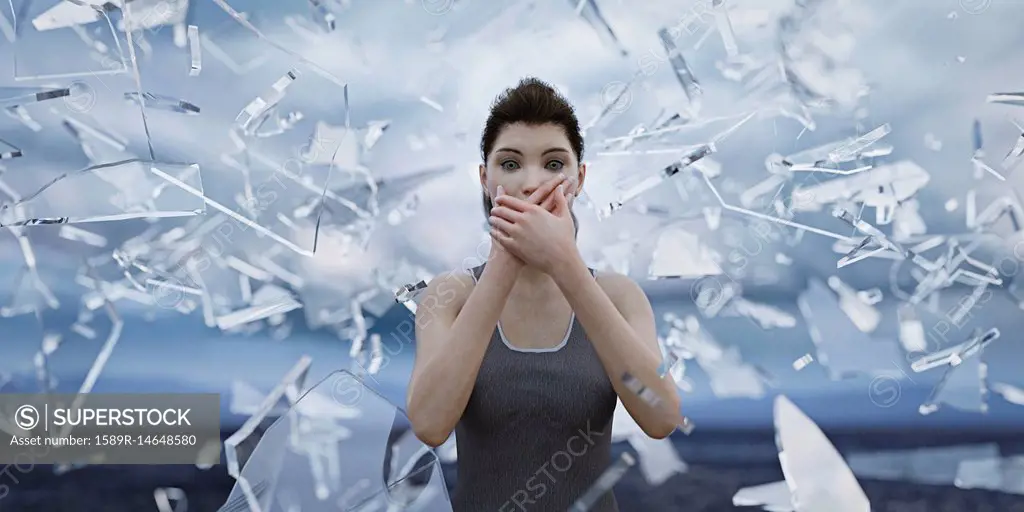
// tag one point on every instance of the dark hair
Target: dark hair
(533, 102)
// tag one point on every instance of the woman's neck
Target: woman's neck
(533, 283)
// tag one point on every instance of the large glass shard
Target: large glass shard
(85, 35)
(304, 464)
(842, 347)
(773, 497)
(818, 477)
(253, 488)
(129, 189)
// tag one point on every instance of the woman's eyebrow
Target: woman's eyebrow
(546, 151)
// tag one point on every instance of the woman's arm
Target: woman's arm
(620, 325)
(451, 340)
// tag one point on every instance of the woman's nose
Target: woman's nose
(534, 182)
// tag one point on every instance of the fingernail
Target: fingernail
(501, 190)
(561, 189)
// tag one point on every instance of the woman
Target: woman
(524, 357)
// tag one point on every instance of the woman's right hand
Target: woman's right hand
(542, 196)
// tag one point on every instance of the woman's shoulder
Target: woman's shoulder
(458, 278)
(616, 285)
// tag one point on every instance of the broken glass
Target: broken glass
(728, 375)
(841, 346)
(161, 102)
(1012, 394)
(129, 189)
(89, 43)
(269, 301)
(964, 385)
(299, 458)
(170, 499)
(815, 472)
(694, 93)
(658, 458)
(773, 496)
(589, 11)
(863, 315)
(1007, 98)
(253, 481)
(957, 353)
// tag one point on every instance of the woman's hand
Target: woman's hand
(541, 237)
(542, 197)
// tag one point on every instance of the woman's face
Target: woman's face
(525, 156)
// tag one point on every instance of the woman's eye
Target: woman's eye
(509, 165)
(555, 165)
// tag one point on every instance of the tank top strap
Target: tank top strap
(477, 271)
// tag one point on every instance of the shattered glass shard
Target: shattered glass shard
(964, 386)
(243, 445)
(195, 50)
(842, 347)
(161, 102)
(659, 459)
(773, 496)
(300, 457)
(17, 96)
(225, 40)
(265, 304)
(129, 189)
(1007, 98)
(63, 25)
(818, 477)
(8, 151)
(589, 11)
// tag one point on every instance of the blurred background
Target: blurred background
(240, 197)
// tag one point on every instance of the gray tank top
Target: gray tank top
(536, 432)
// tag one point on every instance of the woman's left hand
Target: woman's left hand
(540, 238)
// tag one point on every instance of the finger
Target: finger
(561, 201)
(542, 192)
(503, 240)
(549, 203)
(506, 213)
(501, 224)
(558, 201)
(515, 203)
